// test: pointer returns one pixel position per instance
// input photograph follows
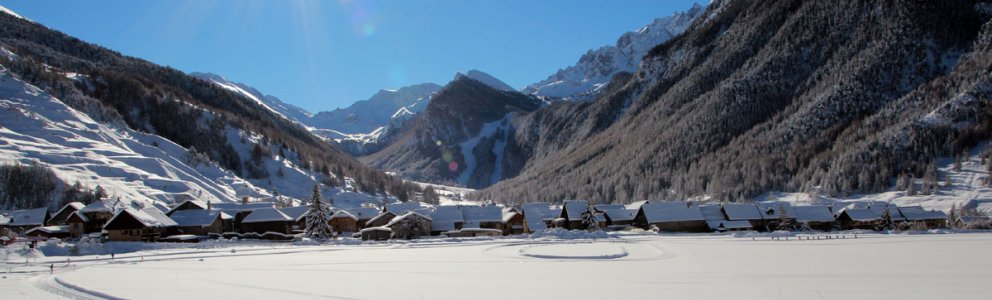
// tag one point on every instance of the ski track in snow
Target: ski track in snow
(467, 147)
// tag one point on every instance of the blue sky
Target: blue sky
(320, 55)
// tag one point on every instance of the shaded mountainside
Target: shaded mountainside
(190, 112)
(834, 97)
(452, 139)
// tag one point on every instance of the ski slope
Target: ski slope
(632, 266)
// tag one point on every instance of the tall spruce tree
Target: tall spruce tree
(317, 226)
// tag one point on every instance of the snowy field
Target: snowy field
(873, 266)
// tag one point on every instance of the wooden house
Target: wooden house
(376, 233)
(199, 221)
(482, 217)
(537, 216)
(240, 211)
(147, 224)
(343, 221)
(363, 214)
(446, 218)
(473, 232)
(96, 215)
(671, 216)
(20, 221)
(717, 221)
(619, 218)
(298, 214)
(62, 215)
(411, 225)
(513, 222)
(930, 218)
(814, 217)
(51, 231)
(777, 215)
(381, 220)
(854, 217)
(746, 212)
(188, 205)
(572, 211)
(77, 224)
(264, 220)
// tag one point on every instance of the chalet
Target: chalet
(343, 221)
(376, 233)
(298, 214)
(60, 217)
(381, 220)
(138, 225)
(619, 218)
(482, 217)
(537, 216)
(930, 218)
(473, 232)
(77, 224)
(717, 221)
(777, 214)
(671, 216)
(188, 205)
(973, 222)
(199, 222)
(446, 218)
(572, 211)
(21, 220)
(513, 221)
(363, 214)
(411, 225)
(263, 220)
(52, 231)
(402, 207)
(96, 215)
(814, 217)
(240, 210)
(854, 217)
(744, 212)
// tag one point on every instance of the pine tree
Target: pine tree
(952, 216)
(316, 216)
(589, 219)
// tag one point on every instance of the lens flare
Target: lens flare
(446, 156)
(453, 166)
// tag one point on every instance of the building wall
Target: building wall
(262, 227)
(343, 225)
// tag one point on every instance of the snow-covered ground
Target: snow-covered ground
(629, 266)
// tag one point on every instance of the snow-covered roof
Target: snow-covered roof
(363, 213)
(535, 214)
(402, 207)
(574, 208)
(917, 213)
(813, 213)
(711, 212)
(621, 214)
(637, 204)
(149, 217)
(380, 216)
(74, 206)
(268, 214)
(508, 215)
(773, 209)
(343, 214)
(742, 211)
(605, 207)
(98, 206)
(80, 215)
(479, 214)
(197, 203)
(444, 217)
(233, 208)
(196, 217)
(860, 214)
(671, 211)
(49, 229)
(296, 212)
(28, 217)
(409, 214)
(376, 229)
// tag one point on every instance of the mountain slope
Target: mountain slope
(216, 125)
(453, 139)
(270, 102)
(596, 67)
(834, 98)
(486, 79)
(368, 115)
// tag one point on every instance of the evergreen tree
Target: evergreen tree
(317, 218)
(589, 219)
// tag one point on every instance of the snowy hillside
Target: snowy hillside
(291, 112)
(38, 128)
(596, 67)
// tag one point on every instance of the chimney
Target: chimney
(244, 200)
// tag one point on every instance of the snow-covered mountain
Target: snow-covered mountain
(596, 67)
(366, 116)
(292, 112)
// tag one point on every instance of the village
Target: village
(194, 221)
